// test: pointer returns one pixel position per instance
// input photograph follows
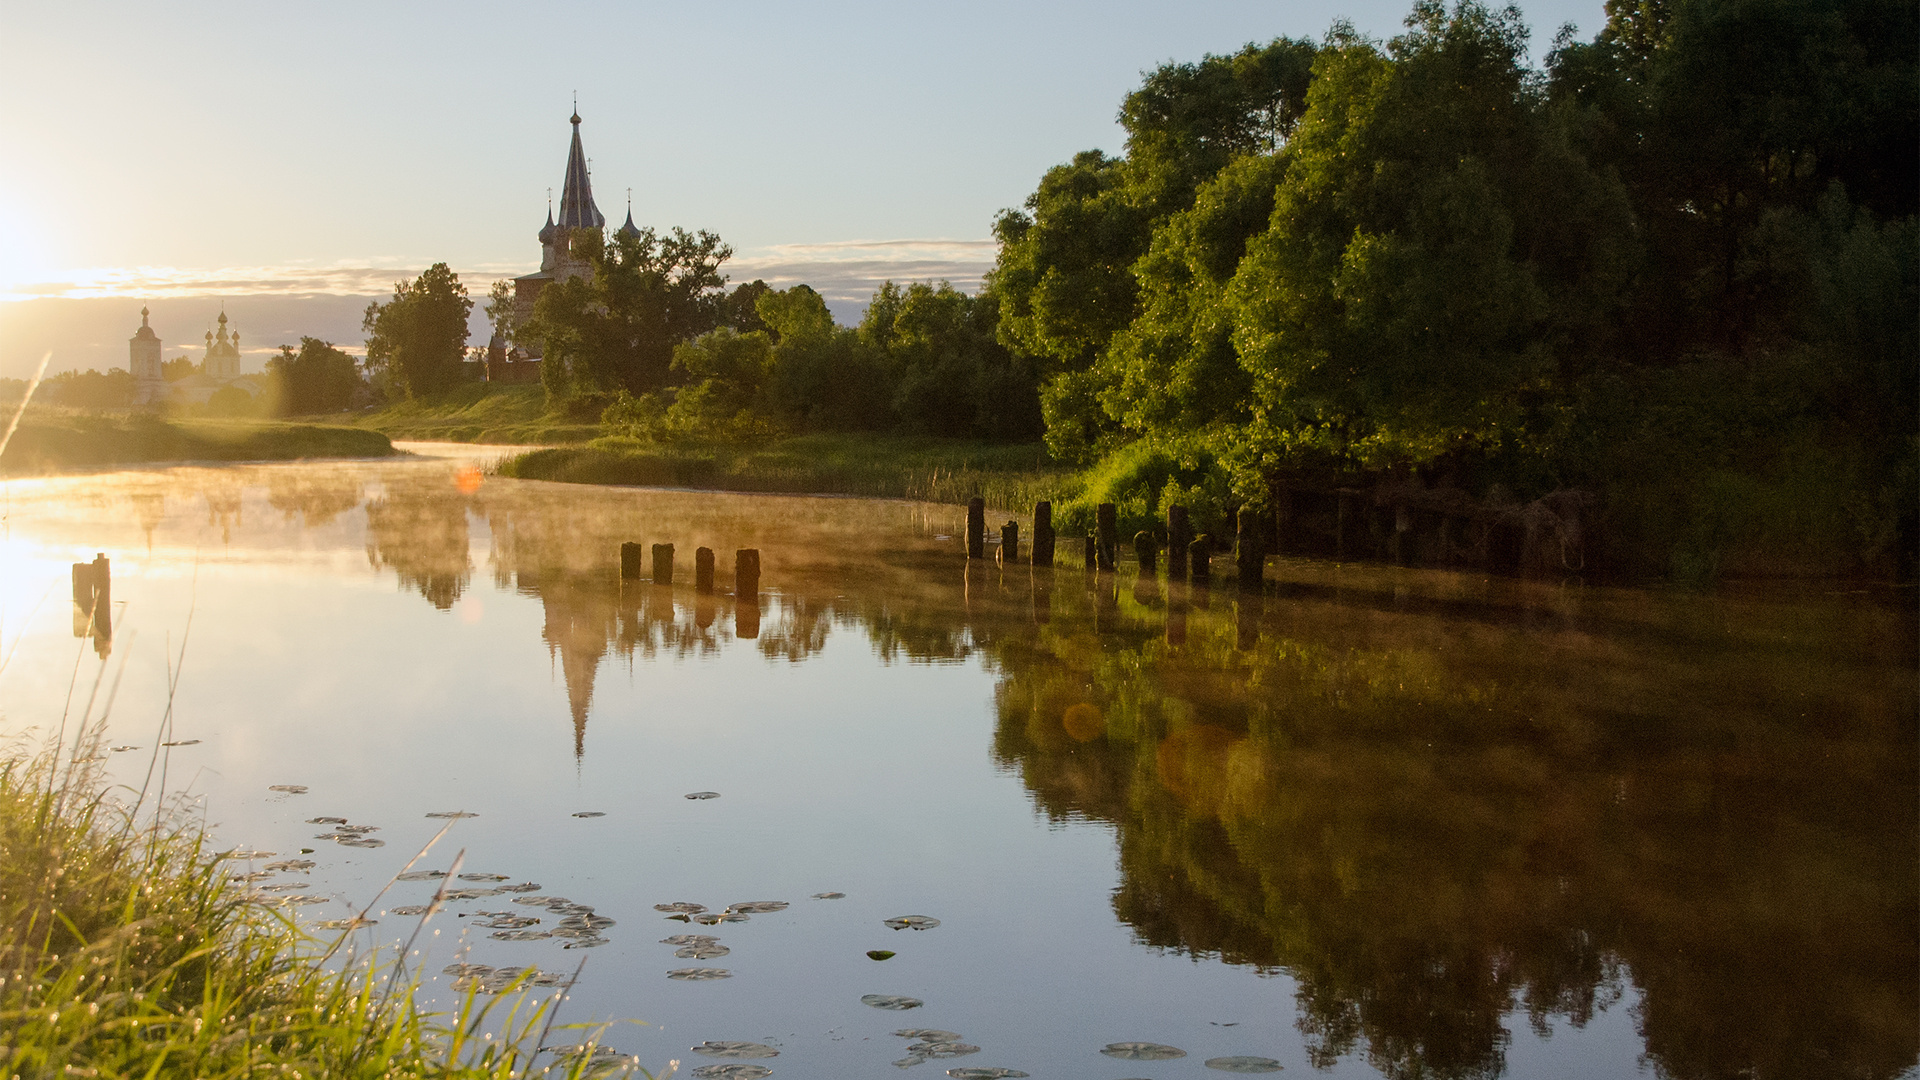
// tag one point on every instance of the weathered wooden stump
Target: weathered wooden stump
(93, 597)
(976, 528)
(1147, 552)
(630, 561)
(1093, 554)
(663, 564)
(1200, 559)
(1179, 535)
(703, 570)
(1043, 533)
(1010, 542)
(746, 620)
(746, 576)
(1107, 532)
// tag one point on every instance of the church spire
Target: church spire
(576, 196)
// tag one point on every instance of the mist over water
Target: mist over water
(1374, 822)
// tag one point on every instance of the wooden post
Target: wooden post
(1179, 535)
(1043, 533)
(976, 528)
(746, 576)
(1010, 542)
(746, 617)
(663, 564)
(703, 570)
(1147, 552)
(1108, 534)
(83, 587)
(630, 561)
(1250, 551)
(1093, 554)
(102, 596)
(1199, 559)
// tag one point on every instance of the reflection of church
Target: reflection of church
(219, 369)
(561, 259)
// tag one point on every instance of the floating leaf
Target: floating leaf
(715, 918)
(880, 954)
(484, 877)
(758, 907)
(913, 922)
(354, 923)
(702, 952)
(560, 905)
(326, 821)
(731, 1071)
(726, 1049)
(681, 906)
(468, 894)
(971, 1073)
(291, 864)
(124, 749)
(303, 899)
(291, 789)
(520, 935)
(928, 1034)
(525, 886)
(453, 814)
(704, 795)
(285, 886)
(357, 828)
(576, 932)
(1244, 1064)
(699, 974)
(508, 922)
(462, 970)
(689, 939)
(589, 813)
(411, 909)
(910, 1061)
(530, 901)
(943, 1049)
(421, 875)
(890, 1002)
(586, 922)
(829, 896)
(1142, 1051)
(362, 841)
(585, 943)
(257, 875)
(182, 742)
(248, 853)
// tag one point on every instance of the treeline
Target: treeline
(1677, 267)
(314, 378)
(654, 339)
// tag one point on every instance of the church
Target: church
(559, 261)
(219, 369)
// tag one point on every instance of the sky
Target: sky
(290, 162)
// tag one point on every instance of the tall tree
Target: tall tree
(418, 339)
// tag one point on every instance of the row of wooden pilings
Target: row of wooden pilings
(746, 578)
(1189, 556)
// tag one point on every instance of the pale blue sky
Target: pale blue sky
(234, 149)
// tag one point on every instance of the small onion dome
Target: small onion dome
(628, 229)
(546, 232)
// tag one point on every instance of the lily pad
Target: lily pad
(484, 877)
(690, 939)
(881, 954)
(525, 886)
(731, 1071)
(508, 922)
(326, 821)
(829, 896)
(701, 974)
(715, 918)
(913, 922)
(520, 935)
(344, 924)
(702, 952)
(411, 909)
(285, 886)
(682, 907)
(971, 1073)
(182, 742)
(421, 875)
(530, 901)
(728, 1049)
(928, 1034)
(300, 898)
(576, 933)
(703, 795)
(590, 813)
(357, 828)
(452, 814)
(1142, 1051)
(587, 922)
(468, 894)
(290, 789)
(942, 1049)
(891, 1002)
(362, 841)
(1244, 1064)
(757, 907)
(291, 864)
(249, 853)
(585, 943)
(257, 875)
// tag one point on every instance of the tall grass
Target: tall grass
(126, 951)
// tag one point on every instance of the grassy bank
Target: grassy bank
(57, 439)
(936, 470)
(128, 951)
(480, 413)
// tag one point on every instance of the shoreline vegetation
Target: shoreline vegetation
(62, 439)
(129, 948)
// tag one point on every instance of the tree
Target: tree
(317, 378)
(616, 328)
(178, 368)
(417, 340)
(500, 310)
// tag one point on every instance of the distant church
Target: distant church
(559, 261)
(219, 369)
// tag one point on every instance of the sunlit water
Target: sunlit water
(1376, 821)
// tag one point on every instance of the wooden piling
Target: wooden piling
(746, 619)
(630, 561)
(1010, 542)
(1043, 533)
(1108, 534)
(663, 564)
(1179, 536)
(746, 575)
(1093, 554)
(703, 570)
(1200, 559)
(976, 528)
(102, 596)
(1147, 552)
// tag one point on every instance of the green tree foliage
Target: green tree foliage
(950, 375)
(617, 328)
(316, 378)
(178, 368)
(417, 341)
(89, 389)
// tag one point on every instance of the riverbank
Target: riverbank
(129, 949)
(480, 413)
(55, 440)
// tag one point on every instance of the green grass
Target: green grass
(50, 440)
(126, 951)
(481, 413)
(934, 470)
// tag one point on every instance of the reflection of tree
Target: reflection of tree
(317, 497)
(1430, 824)
(422, 536)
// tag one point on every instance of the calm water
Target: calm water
(1379, 822)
